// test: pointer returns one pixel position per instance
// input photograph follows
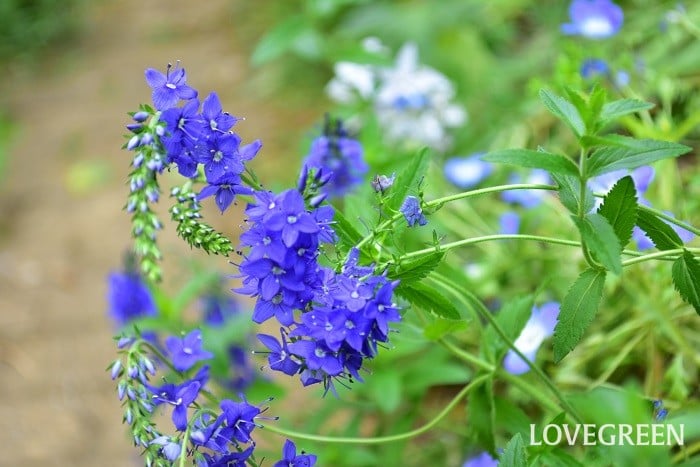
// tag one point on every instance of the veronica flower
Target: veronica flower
(482, 460)
(412, 211)
(467, 171)
(291, 459)
(539, 327)
(593, 68)
(170, 87)
(593, 19)
(186, 351)
(510, 223)
(527, 198)
(129, 298)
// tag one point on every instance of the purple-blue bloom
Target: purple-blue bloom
(527, 198)
(169, 88)
(224, 190)
(184, 397)
(602, 184)
(539, 327)
(412, 211)
(214, 120)
(186, 351)
(593, 19)
(482, 460)
(170, 448)
(128, 298)
(593, 68)
(291, 459)
(467, 172)
(280, 358)
(509, 223)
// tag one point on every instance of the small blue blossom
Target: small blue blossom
(527, 198)
(291, 459)
(467, 172)
(170, 448)
(214, 120)
(593, 68)
(482, 460)
(593, 19)
(382, 183)
(129, 298)
(186, 351)
(169, 88)
(539, 327)
(217, 308)
(510, 223)
(224, 190)
(279, 358)
(412, 211)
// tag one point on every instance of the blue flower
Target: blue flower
(171, 449)
(593, 68)
(593, 19)
(217, 308)
(184, 397)
(602, 184)
(214, 120)
(240, 417)
(482, 460)
(291, 459)
(539, 327)
(527, 198)
(170, 87)
(412, 211)
(279, 358)
(186, 351)
(129, 298)
(467, 172)
(224, 190)
(510, 223)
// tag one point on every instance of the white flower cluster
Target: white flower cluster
(413, 102)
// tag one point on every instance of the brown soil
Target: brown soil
(61, 229)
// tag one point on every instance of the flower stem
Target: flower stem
(391, 438)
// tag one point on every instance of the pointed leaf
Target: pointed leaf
(553, 163)
(429, 299)
(600, 238)
(630, 153)
(619, 108)
(416, 269)
(514, 454)
(686, 279)
(481, 415)
(570, 193)
(347, 233)
(662, 234)
(577, 311)
(620, 209)
(407, 180)
(564, 110)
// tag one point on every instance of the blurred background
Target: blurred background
(72, 69)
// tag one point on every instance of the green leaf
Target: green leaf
(416, 269)
(663, 236)
(630, 153)
(570, 193)
(386, 389)
(620, 209)
(442, 327)
(407, 180)
(514, 454)
(622, 107)
(280, 39)
(686, 279)
(577, 311)
(429, 299)
(553, 163)
(601, 240)
(481, 415)
(564, 110)
(347, 234)
(511, 319)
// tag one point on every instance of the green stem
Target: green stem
(183, 449)
(670, 219)
(385, 439)
(665, 254)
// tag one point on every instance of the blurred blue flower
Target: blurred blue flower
(527, 198)
(593, 19)
(602, 184)
(510, 223)
(187, 350)
(467, 171)
(539, 327)
(129, 298)
(482, 460)
(593, 68)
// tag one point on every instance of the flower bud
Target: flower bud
(134, 127)
(117, 369)
(140, 116)
(133, 142)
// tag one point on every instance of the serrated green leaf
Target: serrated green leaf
(278, 40)
(407, 180)
(481, 415)
(511, 318)
(686, 279)
(662, 234)
(570, 193)
(514, 454)
(630, 153)
(564, 110)
(622, 107)
(601, 240)
(427, 298)
(553, 163)
(577, 311)
(620, 209)
(416, 269)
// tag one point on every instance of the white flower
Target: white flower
(351, 80)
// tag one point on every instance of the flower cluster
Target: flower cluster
(337, 154)
(412, 102)
(191, 137)
(331, 321)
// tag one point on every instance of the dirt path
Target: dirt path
(57, 404)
